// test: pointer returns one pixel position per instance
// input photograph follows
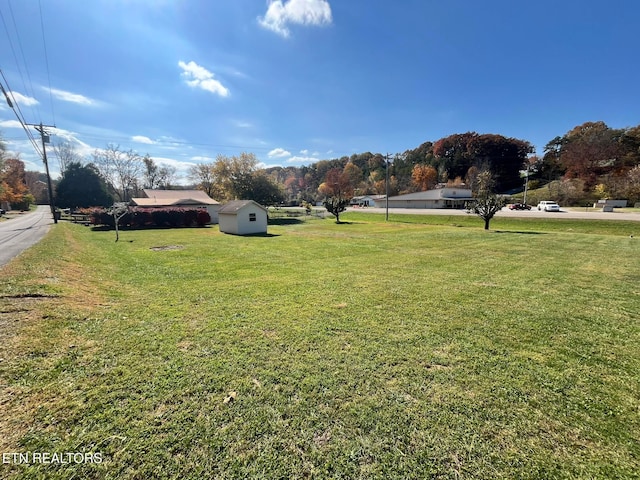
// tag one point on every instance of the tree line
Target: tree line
(590, 161)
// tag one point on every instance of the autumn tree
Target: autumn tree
(37, 185)
(486, 203)
(633, 184)
(3, 150)
(502, 156)
(13, 185)
(425, 177)
(233, 175)
(353, 174)
(337, 190)
(590, 150)
(236, 177)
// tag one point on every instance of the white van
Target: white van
(548, 206)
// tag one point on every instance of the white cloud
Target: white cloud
(316, 154)
(10, 124)
(304, 152)
(297, 159)
(301, 12)
(199, 158)
(23, 100)
(241, 124)
(199, 77)
(142, 139)
(278, 153)
(180, 165)
(72, 97)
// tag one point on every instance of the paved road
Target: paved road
(505, 212)
(21, 232)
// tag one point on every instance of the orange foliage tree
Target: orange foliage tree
(13, 188)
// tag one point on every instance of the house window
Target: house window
(252, 217)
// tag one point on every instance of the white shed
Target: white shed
(242, 217)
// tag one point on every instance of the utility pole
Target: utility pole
(386, 197)
(45, 139)
(526, 186)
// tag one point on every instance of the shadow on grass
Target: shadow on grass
(519, 232)
(107, 228)
(256, 235)
(285, 221)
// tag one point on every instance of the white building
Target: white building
(242, 217)
(447, 197)
(366, 200)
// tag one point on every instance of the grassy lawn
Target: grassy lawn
(422, 348)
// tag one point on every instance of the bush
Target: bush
(203, 218)
(176, 217)
(189, 218)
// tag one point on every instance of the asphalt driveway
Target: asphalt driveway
(23, 231)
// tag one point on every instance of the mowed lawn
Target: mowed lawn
(362, 350)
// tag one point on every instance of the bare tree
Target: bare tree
(487, 203)
(203, 176)
(67, 154)
(121, 170)
(118, 210)
(167, 176)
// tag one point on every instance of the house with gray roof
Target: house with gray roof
(447, 197)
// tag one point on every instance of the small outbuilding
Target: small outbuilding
(242, 217)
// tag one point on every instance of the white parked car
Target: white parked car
(548, 206)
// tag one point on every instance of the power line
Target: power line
(46, 60)
(28, 90)
(13, 104)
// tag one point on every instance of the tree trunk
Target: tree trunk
(486, 223)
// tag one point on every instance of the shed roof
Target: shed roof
(234, 206)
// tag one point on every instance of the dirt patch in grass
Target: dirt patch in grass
(166, 247)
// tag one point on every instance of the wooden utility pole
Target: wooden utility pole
(386, 199)
(45, 139)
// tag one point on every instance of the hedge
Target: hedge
(138, 217)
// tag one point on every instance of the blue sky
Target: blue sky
(296, 81)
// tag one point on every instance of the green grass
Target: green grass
(555, 224)
(421, 349)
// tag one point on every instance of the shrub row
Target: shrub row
(138, 217)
